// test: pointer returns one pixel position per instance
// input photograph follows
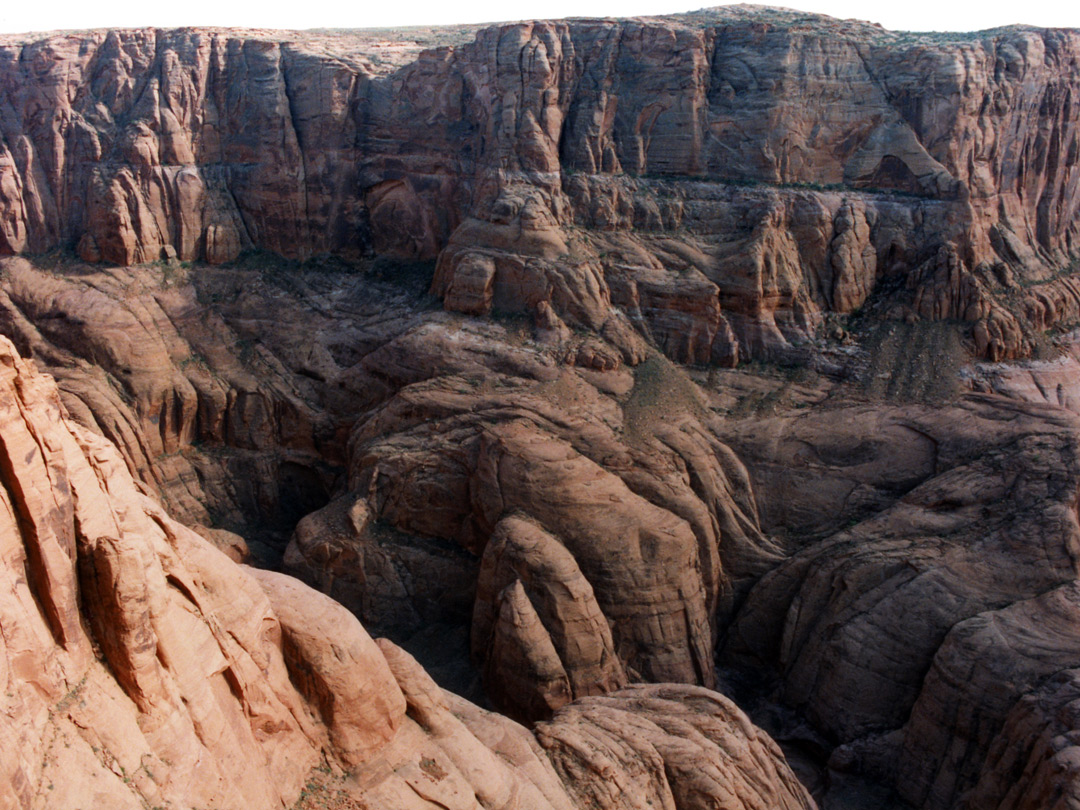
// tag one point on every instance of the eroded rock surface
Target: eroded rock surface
(585, 166)
(485, 480)
(680, 746)
(909, 634)
(142, 667)
(546, 479)
(232, 400)
(522, 487)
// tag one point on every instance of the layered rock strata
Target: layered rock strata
(585, 166)
(141, 667)
(595, 537)
(926, 622)
(526, 469)
(487, 483)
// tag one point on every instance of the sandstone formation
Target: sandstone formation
(1053, 381)
(1031, 761)
(521, 563)
(141, 359)
(718, 180)
(941, 594)
(141, 667)
(679, 746)
(542, 479)
(402, 314)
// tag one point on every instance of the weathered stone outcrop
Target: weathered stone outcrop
(141, 667)
(523, 563)
(1032, 760)
(518, 153)
(984, 667)
(942, 593)
(526, 468)
(679, 746)
(225, 393)
(161, 360)
(1055, 381)
(682, 747)
(568, 510)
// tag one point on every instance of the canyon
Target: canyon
(687, 404)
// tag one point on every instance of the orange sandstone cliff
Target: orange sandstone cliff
(719, 181)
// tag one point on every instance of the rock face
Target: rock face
(590, 552)
(419, 416)
(141, 667)
(1052, 381)
(1031, 761)
(920, 631)
(574, 519)
(522, 559)
(680, 746)
(165, 367)
(522, 487)
(585, 166)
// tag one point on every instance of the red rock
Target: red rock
(497, 172)
(716, 187)
(525, 565)
(337, 667)
(143, 667)
(666, 746)
(116, 643)
(942, 593)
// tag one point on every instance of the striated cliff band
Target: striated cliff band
(719, 181)
(597, 364)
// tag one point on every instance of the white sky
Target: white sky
(911, 15)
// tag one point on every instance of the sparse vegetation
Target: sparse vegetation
(65, 702)
(757, 183)
(915, 362)
(58, 260)
(661, 392)
(767, 387)
(327, 790)
(194, 360)
(412, 276)
(518, 324)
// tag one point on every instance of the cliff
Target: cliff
(718, 181)
(452, 325)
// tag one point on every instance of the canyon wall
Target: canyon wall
(227, 246)
(796, 162)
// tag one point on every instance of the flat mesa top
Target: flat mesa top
(413, 39)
